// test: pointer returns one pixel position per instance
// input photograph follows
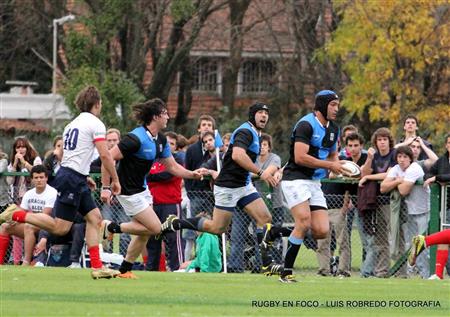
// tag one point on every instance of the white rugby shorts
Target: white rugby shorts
(136, 203)
(228, 198)
(300, 190)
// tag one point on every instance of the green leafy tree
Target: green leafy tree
(396, 58)
(90, 62)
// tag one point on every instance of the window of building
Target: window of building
(258, 76)
(205, 75)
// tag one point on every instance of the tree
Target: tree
(91, 60)
(26, 38)
(396, 59)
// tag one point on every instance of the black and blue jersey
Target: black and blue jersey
(232, 174)
(321, 140)
(139, 149)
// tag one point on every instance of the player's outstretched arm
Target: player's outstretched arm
(178, 170)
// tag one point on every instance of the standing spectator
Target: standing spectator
(354, 144)
(403, 177)
(339, 199)
(81, 136)
(411, 126)
(209, 146)
(346, 131)
(198, 191)
(377, 221)
(166, 192)
(52, 161)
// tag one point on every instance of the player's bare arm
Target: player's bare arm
(106, 191)
(177, 170)
(108, 165)
(240, 156)
(303, 158)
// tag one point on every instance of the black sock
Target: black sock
(125, 266)
(194, 223)
(266, 257)
(286, 272)
(259, 235)
(292, 251)
(278, 232)
(114, 228)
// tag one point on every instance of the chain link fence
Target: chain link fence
(370, 243)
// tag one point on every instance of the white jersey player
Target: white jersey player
(81, 137)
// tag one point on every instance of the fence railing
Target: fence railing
(372, 243)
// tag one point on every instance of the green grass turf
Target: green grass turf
(66, 292)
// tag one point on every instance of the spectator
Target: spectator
(376, 221)
(346, 131)
(5, 198)
(182, 146)
(166, 191)
(338, 197)
(354, 144)
(52, 161)
(208, 257)
(209, 146)
(23, 157)
(403, 177)
(411, 126)
(198, 191)
(40, 199)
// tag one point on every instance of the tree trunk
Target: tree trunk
(231, 69)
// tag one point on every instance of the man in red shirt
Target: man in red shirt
(166, 191)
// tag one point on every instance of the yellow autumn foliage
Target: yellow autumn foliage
(396, 54)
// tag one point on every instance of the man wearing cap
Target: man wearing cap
(313, 150)
(233, 186)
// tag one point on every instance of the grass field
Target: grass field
(65, 292)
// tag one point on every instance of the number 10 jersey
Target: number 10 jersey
(79, 139)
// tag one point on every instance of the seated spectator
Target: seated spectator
(52, 161)
(23, 157)
(208, 258)
(39, 199)
(5, 198)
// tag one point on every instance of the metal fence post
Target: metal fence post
(434, 223)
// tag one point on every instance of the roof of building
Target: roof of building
(12, 125)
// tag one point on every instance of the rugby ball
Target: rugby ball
(351, 169)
